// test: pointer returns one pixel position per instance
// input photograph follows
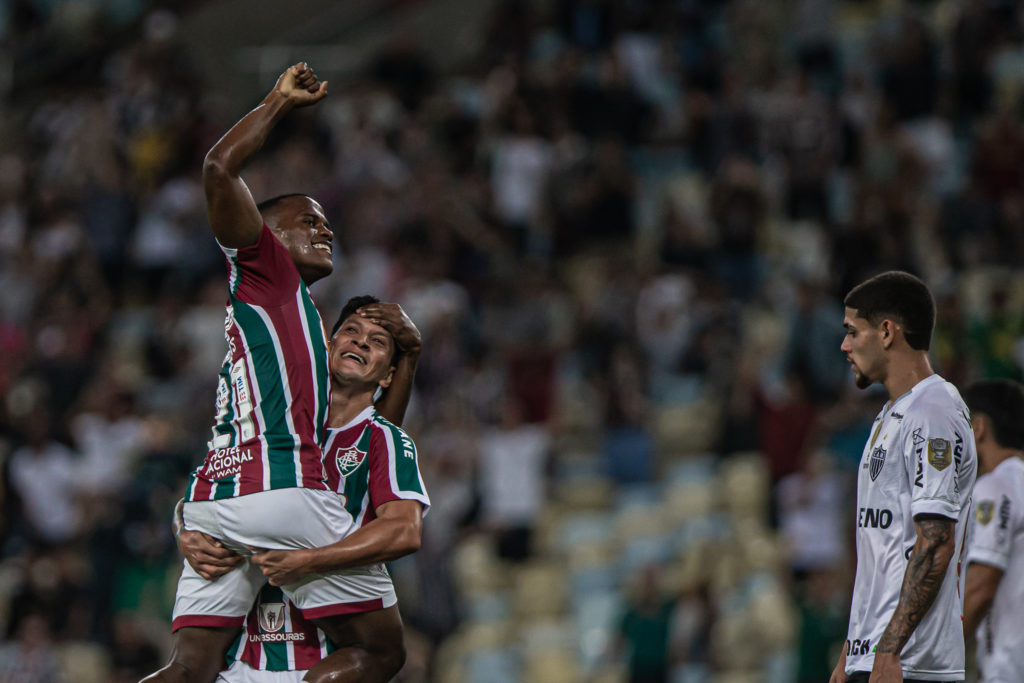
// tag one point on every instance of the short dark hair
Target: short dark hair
(1002, 402)
(268, 204)
(351, 306)
(900, 296)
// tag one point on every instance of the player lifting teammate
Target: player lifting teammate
(262, 483)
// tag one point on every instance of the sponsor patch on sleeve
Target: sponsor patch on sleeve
(984, 511)
(939, 453)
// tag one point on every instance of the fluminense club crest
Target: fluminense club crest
(877, 462)
(271, 616)
(349, 460)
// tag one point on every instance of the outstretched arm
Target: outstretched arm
(979, 591)
(393, 403)
(395, 532)
(922, 580)
(232, 211)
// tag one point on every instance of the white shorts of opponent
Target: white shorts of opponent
(283, 519)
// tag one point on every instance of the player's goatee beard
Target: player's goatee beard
(861, 380)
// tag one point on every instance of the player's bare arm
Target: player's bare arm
(925, 572)
(395, 532)
(979, 592)
(839, 673)
(206, 554)
(229, 204)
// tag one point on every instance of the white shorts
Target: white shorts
(282, 519)
(240, 672)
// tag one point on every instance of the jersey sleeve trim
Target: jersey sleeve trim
(988, 556)
(935, 506)
(395, 472)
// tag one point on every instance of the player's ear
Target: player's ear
(887, 333)
(386, 382)
(979, 425)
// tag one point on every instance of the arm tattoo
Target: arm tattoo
(926, 570)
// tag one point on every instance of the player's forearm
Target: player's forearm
(382, 540)
(976, 608)
(979, 593)
(922, 580)
(395, 400)
(230, 154)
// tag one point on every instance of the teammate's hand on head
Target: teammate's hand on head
(393, 319)
(207, 555)
(281, 567)
(300, 85)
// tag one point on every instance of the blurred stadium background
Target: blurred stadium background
(624, 229)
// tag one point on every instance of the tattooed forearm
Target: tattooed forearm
(921, 582)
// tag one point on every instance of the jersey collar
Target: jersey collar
(930, 379)
(361, 417)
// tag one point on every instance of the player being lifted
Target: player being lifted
(994, 594)
(262, 483)
(373, 465)
(913, 493)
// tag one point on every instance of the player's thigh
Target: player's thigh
(240, 672)
(215, 604)
(379, 631)
(343, 592)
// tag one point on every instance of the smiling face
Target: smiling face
(301, 226)
(361, 352)
(863, 348)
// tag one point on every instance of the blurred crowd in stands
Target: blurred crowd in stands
(624, 230)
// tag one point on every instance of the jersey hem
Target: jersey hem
(206, 621)
(990, 557)
(323, 487)
(343, 608)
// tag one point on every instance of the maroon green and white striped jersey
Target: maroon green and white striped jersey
(277, 638)
(370, 462)
(274, 388)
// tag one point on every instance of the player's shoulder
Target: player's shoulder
(1007, 478)
(386, 426)
(937, 401)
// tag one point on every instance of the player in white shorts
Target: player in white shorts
(994, 593)
(373, 464)
(913, 494)
(272, 394)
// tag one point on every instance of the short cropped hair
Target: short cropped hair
(901, 297)
(268, 204)
(1002, 402)
(351, 306)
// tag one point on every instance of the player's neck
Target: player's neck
(995, 457)
(905, 373)
(347, 401)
